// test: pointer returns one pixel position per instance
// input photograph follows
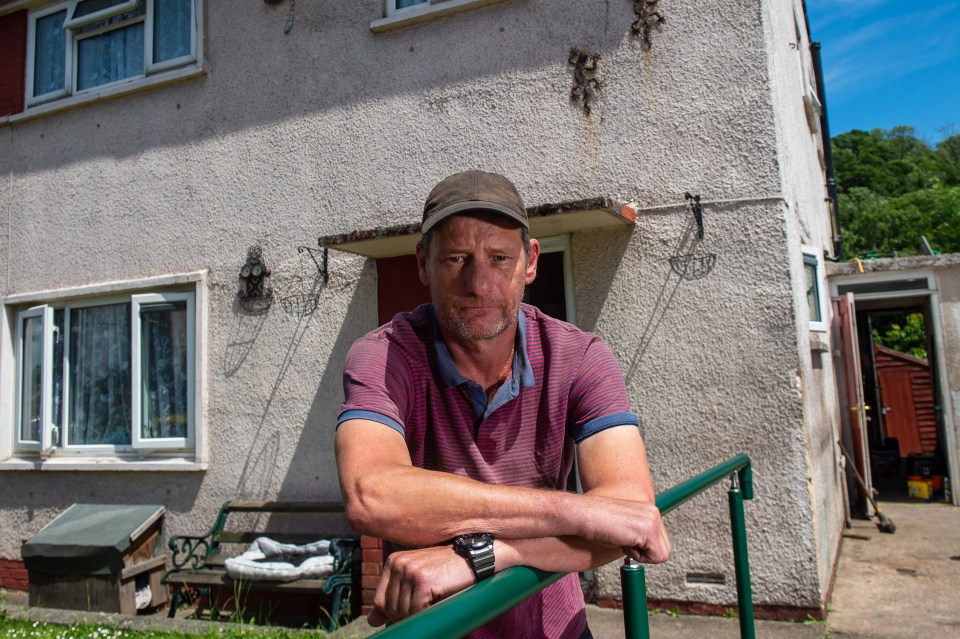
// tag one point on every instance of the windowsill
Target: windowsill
(818, 345)
(426, 13)
(115, 90)
(169, 464)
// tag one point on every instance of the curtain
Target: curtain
(164, 380)
(171, 29)
(49, 53)
(99, 375)
(110, 56)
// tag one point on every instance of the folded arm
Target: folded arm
(387, 497)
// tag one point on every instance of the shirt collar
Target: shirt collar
(448, 370)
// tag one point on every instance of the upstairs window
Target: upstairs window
(81, 45)
(815, 294)
(107, 375)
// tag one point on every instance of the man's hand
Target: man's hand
(635, 527)
(414, 579)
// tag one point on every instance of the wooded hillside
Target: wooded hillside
(894, 188)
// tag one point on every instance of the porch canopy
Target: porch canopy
(545, 220)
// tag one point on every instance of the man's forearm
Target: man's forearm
(417, 507)
(553, 554)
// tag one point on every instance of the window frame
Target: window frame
(431, 9)
(157, 454)
(45, 314)
(151, 69)
(815, 255)
(561, 244)
(137, 442)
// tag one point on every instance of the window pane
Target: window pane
(87, 7)
(31, 372)
(171, 29)
(57, 408)
(813, 292)
(99, 378)
(49, 54)
(163, 349)
(110, 56)
(403, 4)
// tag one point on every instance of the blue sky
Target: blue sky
(888, 63)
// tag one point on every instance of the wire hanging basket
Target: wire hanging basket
(305, 285)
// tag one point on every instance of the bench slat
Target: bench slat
(285, 506)
(214, 577)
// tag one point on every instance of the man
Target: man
(462, 418)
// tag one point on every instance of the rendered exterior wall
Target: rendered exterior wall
(334, 128)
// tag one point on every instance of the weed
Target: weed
(730, 613)
(811, 621)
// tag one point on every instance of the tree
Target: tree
(902, 333)
(894, 188)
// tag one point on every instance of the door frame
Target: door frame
(898, 290)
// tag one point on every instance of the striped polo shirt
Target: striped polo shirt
(564, 386)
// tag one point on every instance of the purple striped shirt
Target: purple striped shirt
(565, 385)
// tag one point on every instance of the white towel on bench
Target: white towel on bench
(269, 560)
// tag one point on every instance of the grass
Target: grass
(27, 629)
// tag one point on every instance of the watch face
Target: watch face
(475, 541)
(479, 541)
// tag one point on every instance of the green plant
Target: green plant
(674, 612)
(812, 621)
(730, 613)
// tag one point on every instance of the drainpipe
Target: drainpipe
(827, 149)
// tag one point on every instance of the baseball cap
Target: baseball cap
(473, 191)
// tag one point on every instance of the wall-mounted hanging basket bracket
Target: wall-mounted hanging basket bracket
(697, 209)
(289, 25)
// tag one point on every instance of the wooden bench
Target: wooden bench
(198, 562)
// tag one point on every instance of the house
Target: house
(206, 202)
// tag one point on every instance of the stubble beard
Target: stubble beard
(464, 329)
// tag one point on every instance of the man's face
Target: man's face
(476, 270)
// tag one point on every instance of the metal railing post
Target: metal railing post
(741, 562)
(633, 582)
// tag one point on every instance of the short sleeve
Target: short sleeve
(598, 396)
(375, 383)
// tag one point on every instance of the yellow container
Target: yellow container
(920, 488)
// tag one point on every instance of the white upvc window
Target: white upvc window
(816, 294)
(85, 45)
(108, 375)
(402, 13)
(394, 6)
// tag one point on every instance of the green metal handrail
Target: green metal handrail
(466, 611)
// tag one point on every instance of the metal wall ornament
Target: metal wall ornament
(255, 292)
(585, 84)
(647, 16)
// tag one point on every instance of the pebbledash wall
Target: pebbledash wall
(343, 125)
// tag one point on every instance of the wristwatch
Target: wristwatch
(477, 548)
